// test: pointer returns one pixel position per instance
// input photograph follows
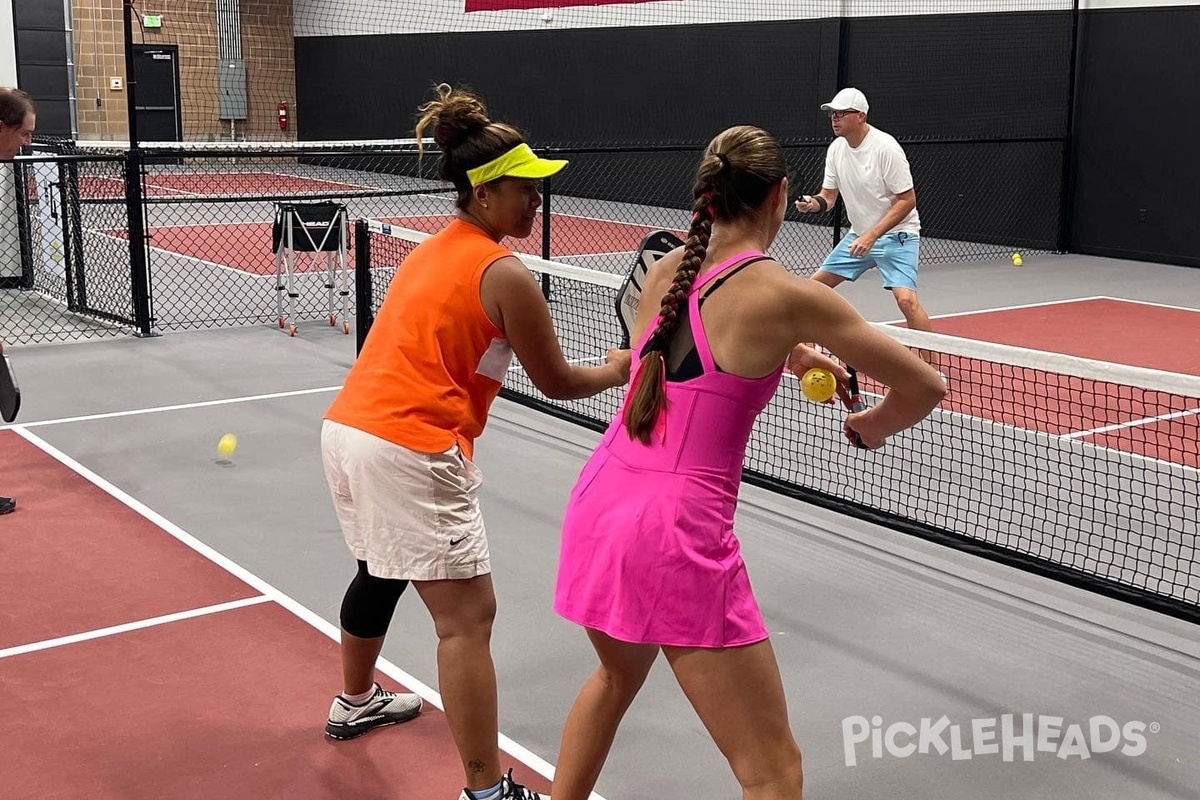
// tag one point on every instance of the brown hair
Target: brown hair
(736, 172)
(15, 105)
(465, 135)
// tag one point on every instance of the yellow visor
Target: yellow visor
(520, 162)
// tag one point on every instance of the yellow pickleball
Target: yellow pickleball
(227, 445)
(1017, 260)
(818, 384)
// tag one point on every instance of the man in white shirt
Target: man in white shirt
(870, 171)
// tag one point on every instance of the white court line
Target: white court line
(174, 192)
(1110, 451)
(517, 751)
(178, 407)
(235, 270)
(152, 228)
(1150, 303)
(342, 184)
(1073, 436)
(99, 633)
(227, 175)
(1017, 307)
(121, 185)
(1131, 424)
(239, 271)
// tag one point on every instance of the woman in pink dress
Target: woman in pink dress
(649, 559)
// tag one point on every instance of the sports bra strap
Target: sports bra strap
(719, 282)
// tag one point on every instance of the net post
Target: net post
(66, 195)
(546, 195)
(73, 215)
(364, 294)
(134, 206)
(138, 261)
(24, 225)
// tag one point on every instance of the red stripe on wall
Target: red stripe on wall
(506, 5)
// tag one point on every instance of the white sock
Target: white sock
(359, 699)
(487, 794)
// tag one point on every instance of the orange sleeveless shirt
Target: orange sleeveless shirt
(433, 362)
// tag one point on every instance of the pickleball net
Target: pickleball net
(1083, 470)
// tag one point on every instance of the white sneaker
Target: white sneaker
(510, 791)
(382, 708)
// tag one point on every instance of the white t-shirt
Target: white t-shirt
(869, 177)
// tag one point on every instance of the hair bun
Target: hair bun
(455, 115)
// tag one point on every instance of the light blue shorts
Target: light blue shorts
(896, 255)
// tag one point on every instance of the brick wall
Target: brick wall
(99, 56)
(192, 25)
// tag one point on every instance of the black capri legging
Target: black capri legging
(369, 603)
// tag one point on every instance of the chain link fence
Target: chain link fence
(977, 201)
(208, 211)
(68, 278)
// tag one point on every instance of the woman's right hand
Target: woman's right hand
(858, 428)
(914, 388)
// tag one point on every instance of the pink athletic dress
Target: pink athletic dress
(648, 550)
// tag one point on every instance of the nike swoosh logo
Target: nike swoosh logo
(454, 542)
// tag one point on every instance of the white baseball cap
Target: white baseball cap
(847, 99)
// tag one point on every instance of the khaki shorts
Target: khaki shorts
(409, 515)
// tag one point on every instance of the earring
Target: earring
(484, 205)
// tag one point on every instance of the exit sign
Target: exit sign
(152, 20)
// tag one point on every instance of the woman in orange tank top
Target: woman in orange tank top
(397, 441)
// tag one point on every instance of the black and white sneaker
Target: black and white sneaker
(347, 721)
(510, 791)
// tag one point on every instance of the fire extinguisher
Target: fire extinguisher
(283, 116)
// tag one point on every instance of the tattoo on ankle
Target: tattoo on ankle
(476, 765)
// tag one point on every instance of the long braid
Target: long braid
(649, 398)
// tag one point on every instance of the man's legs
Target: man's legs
(840, 266)
(898, 256)
(828, 278)
(911, 308)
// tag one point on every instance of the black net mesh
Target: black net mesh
(1084, 470)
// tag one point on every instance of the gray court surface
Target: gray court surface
(866, 622)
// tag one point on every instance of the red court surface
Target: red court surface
(219, 184)
(93, 562)
(1161, 426)
(1106, 329)
(226, 704)
(247, 246)
(1152, 424)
